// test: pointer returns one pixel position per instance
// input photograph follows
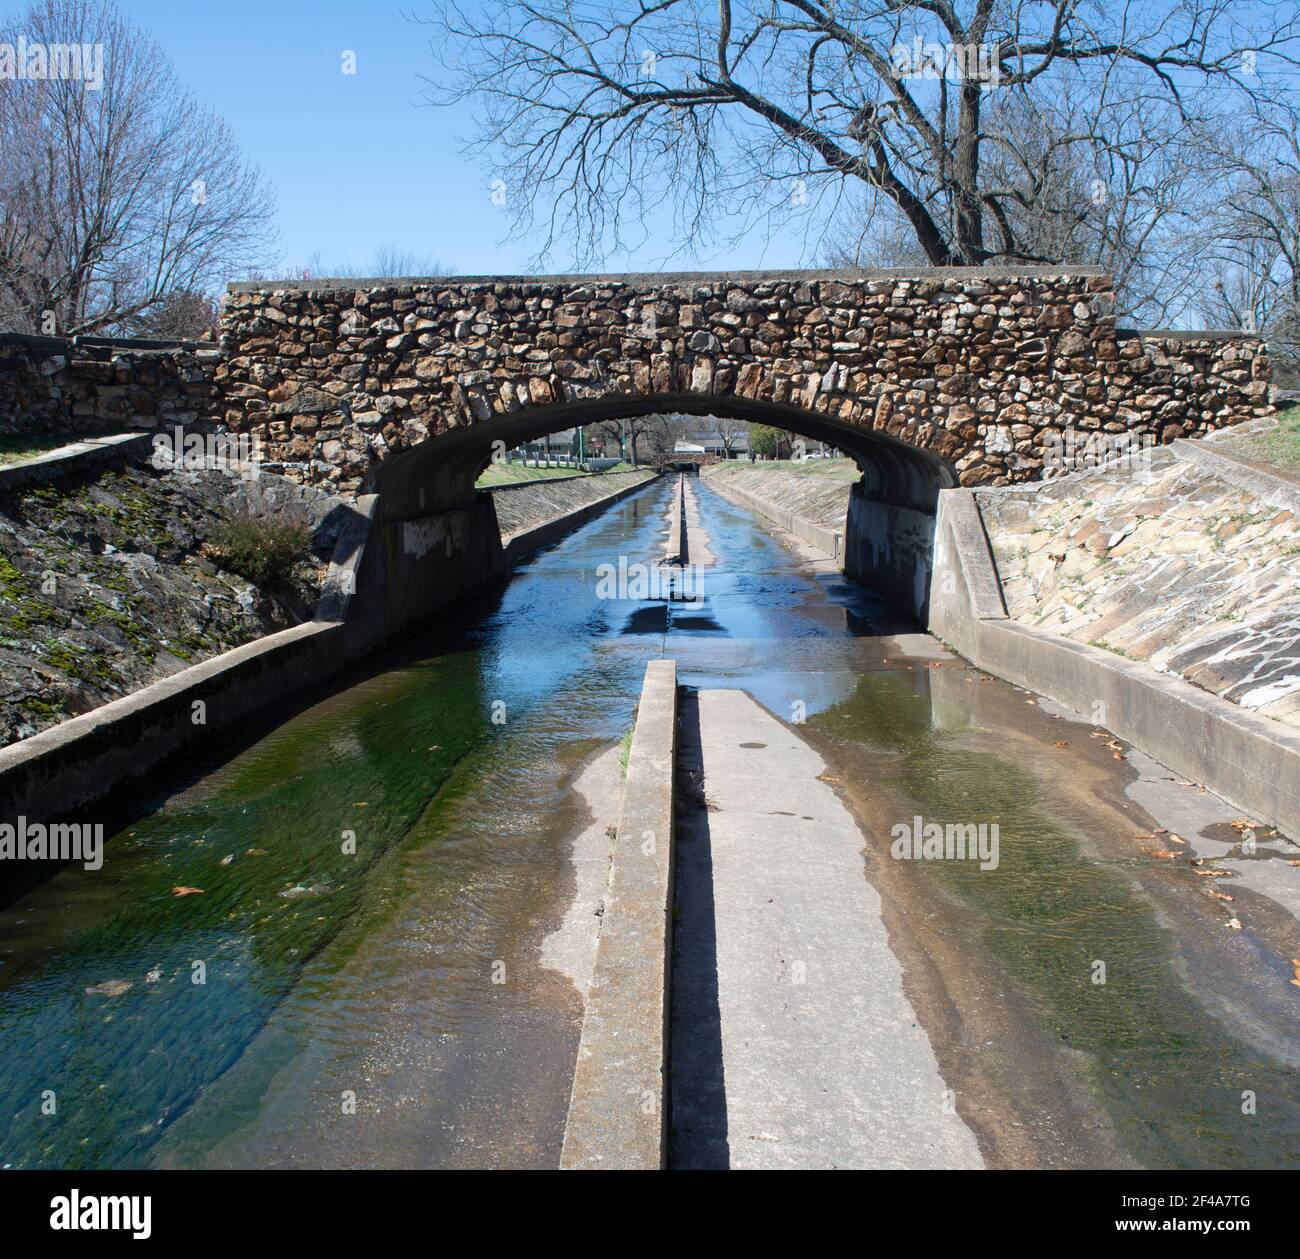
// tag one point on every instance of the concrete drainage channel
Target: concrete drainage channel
(69, 766)
(1248, 760)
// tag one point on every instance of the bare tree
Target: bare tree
(1254, 250)
(730, 432)
(391, 260)
(115, 195)
(593, 116)
(636, 432)
(182, 315)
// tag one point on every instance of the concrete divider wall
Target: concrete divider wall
(1251, 761)
(673, 548)
(618, 1109)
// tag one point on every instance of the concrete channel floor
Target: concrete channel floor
(793, 1044)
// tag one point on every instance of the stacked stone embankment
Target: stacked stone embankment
(979, 367)
(1180, 562)
(108, 584)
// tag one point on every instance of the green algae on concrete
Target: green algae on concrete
(1181, 1089)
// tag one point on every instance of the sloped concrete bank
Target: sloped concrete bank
(617, 1111)
(115, 577)
(1250, 761)
(386, 577)
(578, 506)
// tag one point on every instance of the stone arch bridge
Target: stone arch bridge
(401, 390)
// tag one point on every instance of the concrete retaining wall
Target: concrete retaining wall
(1250, 761)
(63, 770)
(890, 549)
(524, 541)
(386, 578)
(94, 452)
(618, 1109)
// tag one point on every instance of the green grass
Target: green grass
(514, 473)
(831, 469)
(1282, 444)
(15, 447)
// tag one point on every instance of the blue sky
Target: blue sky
(358, 161)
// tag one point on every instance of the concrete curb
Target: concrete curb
(78, 762)
(617, 1110)
(1252, 762)
(830, 542)
(79, 456)
(674, 552)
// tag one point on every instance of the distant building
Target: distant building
(711, 442)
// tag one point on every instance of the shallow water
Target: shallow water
(387, 1008)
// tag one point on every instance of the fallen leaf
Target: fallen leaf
(109, 988)
(225, 861)
(187, 891)
(1218, 896)
(1235, 923)
(1061, 743)
(1163, 853)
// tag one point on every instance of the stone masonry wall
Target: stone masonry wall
(96, 386)
(977, 366)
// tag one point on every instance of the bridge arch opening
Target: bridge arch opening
(888, 533)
